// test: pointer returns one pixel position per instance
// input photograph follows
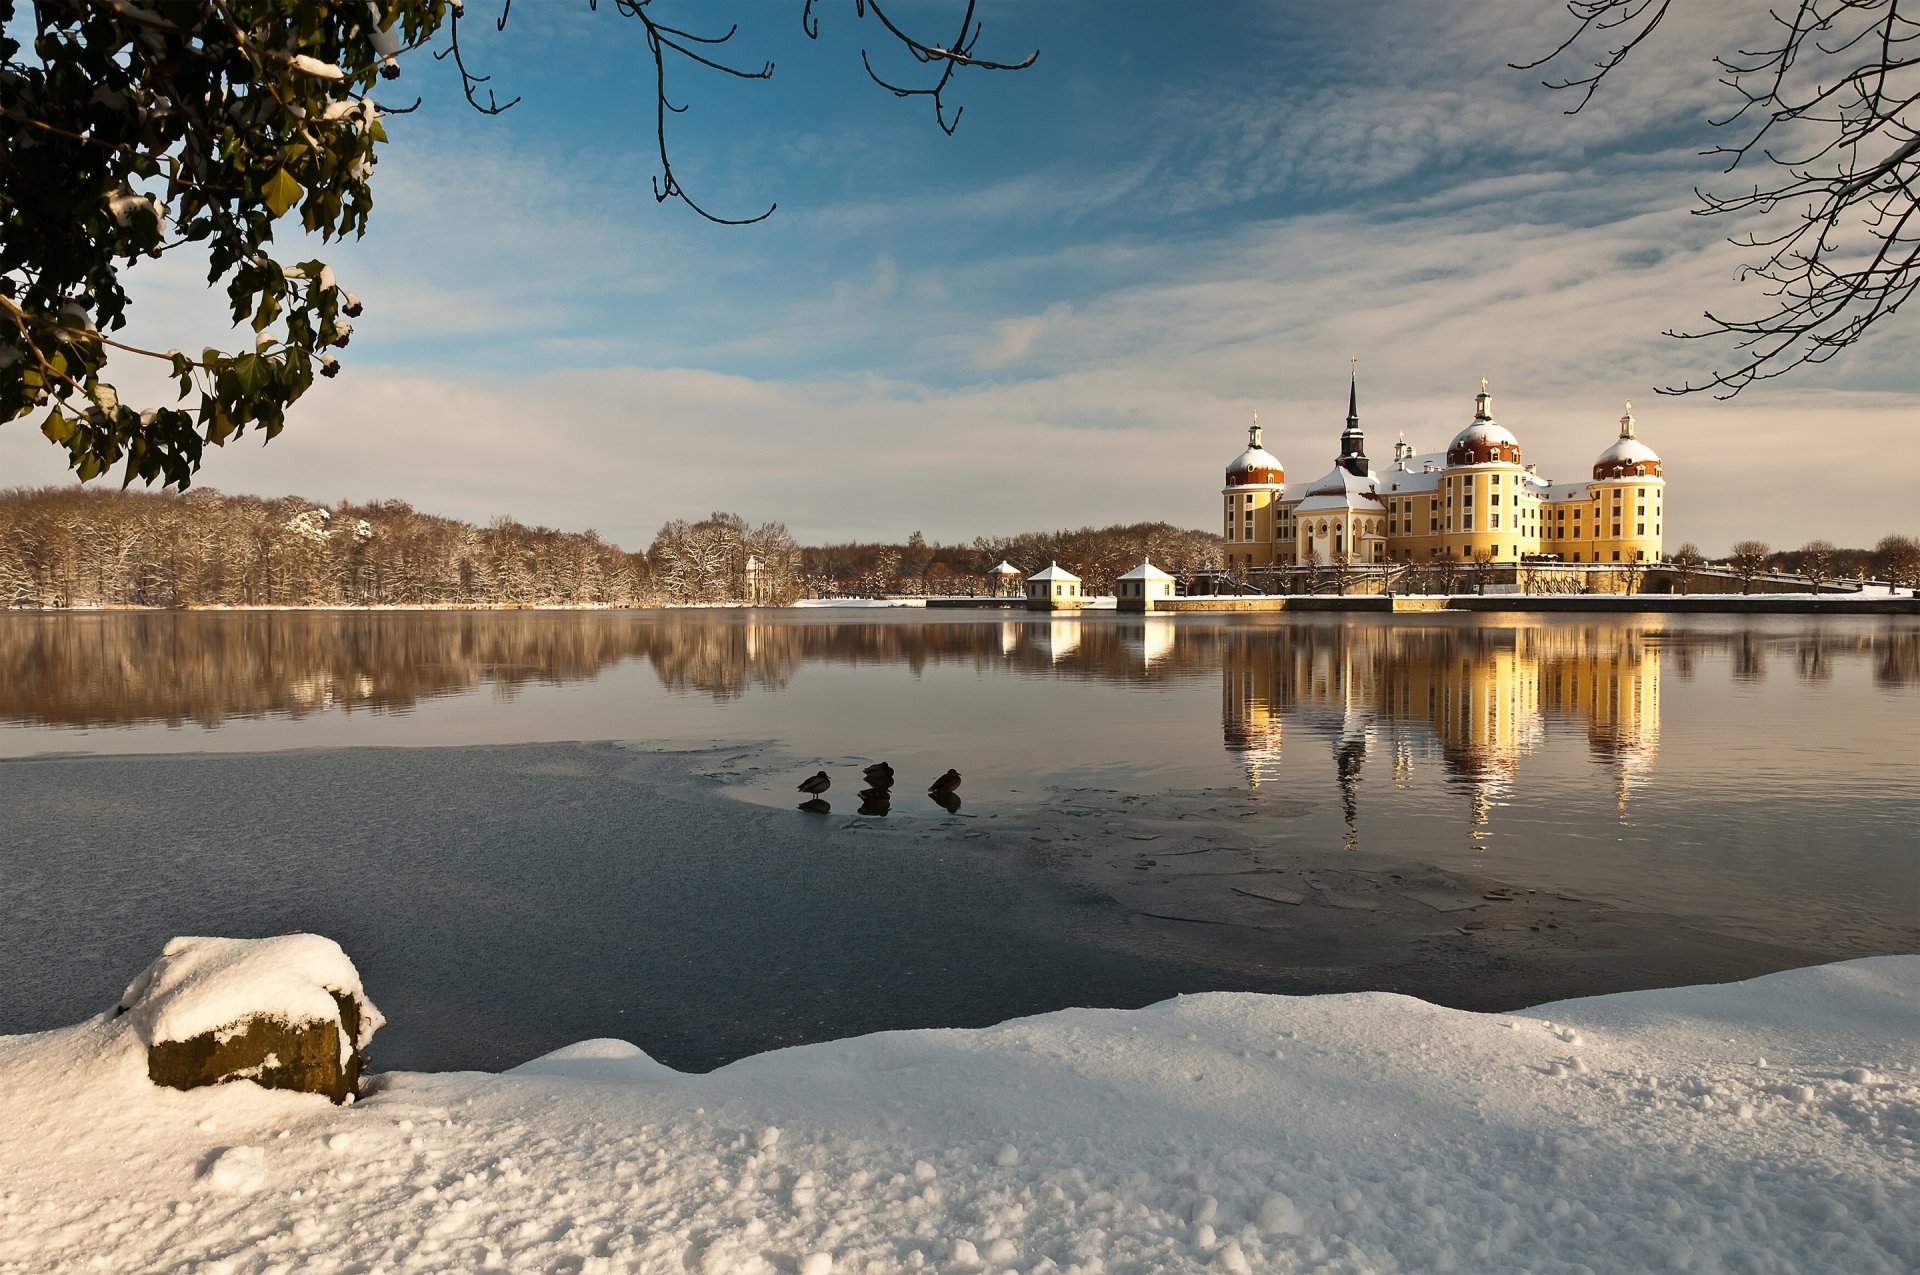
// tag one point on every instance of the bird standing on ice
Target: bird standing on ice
(946, 783)
(817, 784)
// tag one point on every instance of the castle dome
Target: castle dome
(1256, 465)
(1628, 457)
(1485, 440)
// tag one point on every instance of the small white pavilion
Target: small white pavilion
(1006, 579)
(1141, 587)
(1055, 589)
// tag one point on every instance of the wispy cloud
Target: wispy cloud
(1076, 333)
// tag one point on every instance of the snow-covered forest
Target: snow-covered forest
(68, 547)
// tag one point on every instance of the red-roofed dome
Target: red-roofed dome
(1256, 465)
(1628, 457)
(1484, 441)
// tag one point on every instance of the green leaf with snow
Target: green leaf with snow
(281, 192)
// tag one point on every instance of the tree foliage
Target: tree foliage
(129, 131)
(1827, 127)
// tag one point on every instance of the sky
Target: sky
(1066, 313)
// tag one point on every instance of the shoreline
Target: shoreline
(1752, 1125)
(1361, 604)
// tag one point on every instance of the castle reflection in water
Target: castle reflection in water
(1377, 699)
(1480, 698)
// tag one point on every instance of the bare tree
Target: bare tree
(1632, 576)
(1748, 561)
(1817, 561)
(1314, 574)
(1344, 568)
(1481, 565)
(1686, 566)
(1827, 100)
(1900, 560)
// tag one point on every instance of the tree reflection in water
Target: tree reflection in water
(1482, 689)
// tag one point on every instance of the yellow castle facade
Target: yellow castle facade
(1475, 501)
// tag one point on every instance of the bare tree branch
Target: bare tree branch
(1830, 105)
(663, 39)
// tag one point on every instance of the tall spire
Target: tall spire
(1353, 443)
(1253, 432)
(1483, 403)
(1626, 422)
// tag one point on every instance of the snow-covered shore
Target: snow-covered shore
(1770, 1125)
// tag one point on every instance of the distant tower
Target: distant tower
(1353, 443)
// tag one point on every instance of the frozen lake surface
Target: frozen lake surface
(533, 829)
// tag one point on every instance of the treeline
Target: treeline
(1098, 555)
(74, 547)
(1894, 560)
(66, 547)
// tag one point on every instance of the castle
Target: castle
(1474, 502)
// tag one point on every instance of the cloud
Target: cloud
(1080, 337)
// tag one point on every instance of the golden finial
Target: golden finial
(1483, 385)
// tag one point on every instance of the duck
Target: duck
(946, 783)
(879, 775)
(816, 785)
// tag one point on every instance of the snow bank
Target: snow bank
(1762, 1126)
(201, 985)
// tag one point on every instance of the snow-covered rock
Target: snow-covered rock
(285, 1013)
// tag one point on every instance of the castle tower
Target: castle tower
(1488, 506)
(1353, 443)
(1253, 521)
(1629, 492)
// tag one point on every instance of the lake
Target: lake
(535, 828)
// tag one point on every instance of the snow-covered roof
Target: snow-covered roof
(1485, 432)
(1055, 571)
(1254, 458)
(1413, 473)
(1627, 451)
(1340, 490)
(1146, 571)
(1006, 569)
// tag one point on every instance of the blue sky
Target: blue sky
(1064, 314)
